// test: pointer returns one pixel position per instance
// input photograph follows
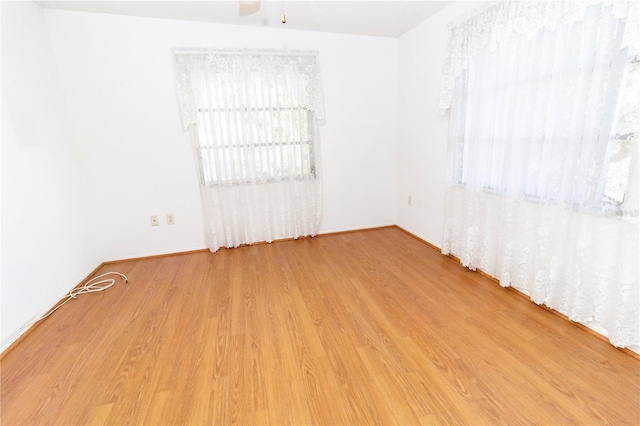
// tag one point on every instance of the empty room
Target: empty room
(266, 212)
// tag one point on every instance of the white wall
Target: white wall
(117, 76)
(43, 249)
(423, 130)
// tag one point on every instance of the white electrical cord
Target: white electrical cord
(91, 286)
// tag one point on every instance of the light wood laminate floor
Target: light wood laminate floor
(370, 327)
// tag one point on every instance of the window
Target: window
(624, 139)
(536, 118)
(255, 144)
(254, 126)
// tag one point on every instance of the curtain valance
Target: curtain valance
(500, 22)
(196, 67)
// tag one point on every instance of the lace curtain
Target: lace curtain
(542, 173)
(253, 121)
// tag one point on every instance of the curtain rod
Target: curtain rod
(192, 50)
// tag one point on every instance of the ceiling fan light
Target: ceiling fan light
(249, 7)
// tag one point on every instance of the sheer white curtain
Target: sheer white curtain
(542, 169)
(253, 120)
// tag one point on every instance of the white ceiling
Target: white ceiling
(364, 17)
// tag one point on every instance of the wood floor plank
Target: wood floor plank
(387, 389)
(369, 327)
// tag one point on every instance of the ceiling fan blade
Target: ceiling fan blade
(249, 7)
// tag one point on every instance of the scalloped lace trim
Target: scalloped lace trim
(500, 22)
